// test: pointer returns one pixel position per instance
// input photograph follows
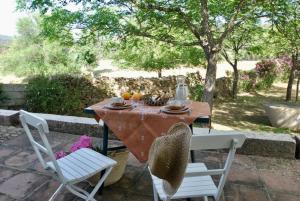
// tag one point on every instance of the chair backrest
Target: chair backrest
(218, 141)
(41, 126)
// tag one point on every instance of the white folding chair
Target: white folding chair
(71, 169)
(198, 181)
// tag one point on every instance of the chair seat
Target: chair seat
(190, 187)
(82, 164)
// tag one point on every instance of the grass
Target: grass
(247, 112)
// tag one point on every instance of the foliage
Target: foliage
(286, 23)
(284, 66)
(30, 54)
(142, 53)
(265, 67)
(204, 24)
(247, 80)
(62, 94)
(268, 71)
(284, 16)
(248, 38)
(265, 82)
(197, 92)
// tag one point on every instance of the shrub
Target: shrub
(197, 92)
(268, 71)
(247, 80)
(266, 82)
(265, 67)
(62, 94)
(284, 65)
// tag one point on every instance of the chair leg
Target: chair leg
(56, 192)
(84, 194)
(96, 188)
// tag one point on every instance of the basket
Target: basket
(117, 171)
(160, 102)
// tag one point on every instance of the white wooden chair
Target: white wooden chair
(198, 181)
(71, 169)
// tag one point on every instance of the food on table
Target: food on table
(136, 96)
(156, 99)
(126, 95)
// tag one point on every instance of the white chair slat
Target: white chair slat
(91, 159)
(99, 157)
(72, 167)
(191, 187)
(83, 163)
(69, 169)
(75, 166)
(66, 175)
(193, 167)
(216, 141)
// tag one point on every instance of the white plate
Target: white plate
(184, 110)
(110, 106)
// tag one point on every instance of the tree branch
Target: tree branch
(166, 39)
(205, 28)
(225, 55)
(153, 6)
(231, 24)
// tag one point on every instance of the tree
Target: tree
(285, 18)
(201, 23)
(30, 54)
(142, 53)
(244, 39)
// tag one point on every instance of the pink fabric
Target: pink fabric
(138, 128)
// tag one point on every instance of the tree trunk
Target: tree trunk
(297, 90)
(235, 79)
(291, 79)
(210, 79)
(159, 73)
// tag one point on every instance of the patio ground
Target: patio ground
(247, 111)
(252, 178)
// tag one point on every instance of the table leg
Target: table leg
(192, 157)
(105, 139)
(104, 151)
(209, 124)
(192, 152)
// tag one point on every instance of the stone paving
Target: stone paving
(8, 132)
(252, 178)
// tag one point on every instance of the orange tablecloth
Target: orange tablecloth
(138, 128)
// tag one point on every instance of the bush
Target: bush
(62, 94)
(265, 67)
(197, 92)
(247, 80)
(284, 66)
(266, 82)
(268, 71)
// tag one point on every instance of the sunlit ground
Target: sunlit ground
(247, 112)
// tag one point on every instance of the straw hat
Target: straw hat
(168, 157)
